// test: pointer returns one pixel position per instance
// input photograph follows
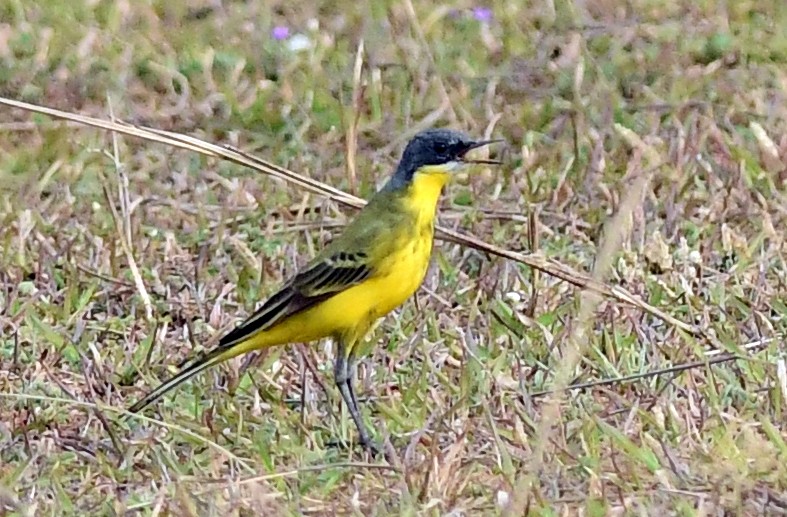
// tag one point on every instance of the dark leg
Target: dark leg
(352, 375)
(342, 372)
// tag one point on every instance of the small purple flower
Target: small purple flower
(482, 14)
(280, 32)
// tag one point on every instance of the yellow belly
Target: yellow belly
(349, 314)
(353, 311)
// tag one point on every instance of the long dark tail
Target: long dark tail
(247, 336)
(204, 362)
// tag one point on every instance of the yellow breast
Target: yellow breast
(404, 270)
(398, 275)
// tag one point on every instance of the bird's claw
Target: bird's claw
(369, 445)
(372, 447)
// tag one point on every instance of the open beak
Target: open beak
(476, 145)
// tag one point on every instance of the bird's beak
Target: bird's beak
(476, 145)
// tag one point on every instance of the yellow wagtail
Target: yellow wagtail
(376, 264)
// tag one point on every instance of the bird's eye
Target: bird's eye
(440, 147)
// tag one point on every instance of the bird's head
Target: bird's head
(436, 152)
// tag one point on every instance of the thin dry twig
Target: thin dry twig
(712, 357)
(123, 223)
(74, 402)
(574, 347)
(536, 261)
(355, 117)
(416, 24)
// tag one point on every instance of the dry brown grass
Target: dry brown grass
(647, 146)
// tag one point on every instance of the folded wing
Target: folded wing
(321, 280)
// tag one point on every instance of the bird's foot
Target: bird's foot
(374, 449)
(371, 446)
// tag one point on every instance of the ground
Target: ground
(647, 146)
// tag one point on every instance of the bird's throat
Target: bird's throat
(425, 189)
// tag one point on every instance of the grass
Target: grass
(119, 257)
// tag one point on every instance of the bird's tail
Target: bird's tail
(201, 363)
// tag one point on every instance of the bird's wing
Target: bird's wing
(333, 274)
(347, 261)
(324, 277)
(330, 273)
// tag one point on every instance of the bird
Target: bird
(372, 267)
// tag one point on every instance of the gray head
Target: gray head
(435, 147)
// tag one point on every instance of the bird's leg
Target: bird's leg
(343, 377)
(352, 375)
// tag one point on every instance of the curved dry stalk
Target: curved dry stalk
(533, 260)
(712, 357)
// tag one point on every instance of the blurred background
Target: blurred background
(119, 256)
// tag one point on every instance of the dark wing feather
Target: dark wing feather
(319, 281)
(322, 279)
